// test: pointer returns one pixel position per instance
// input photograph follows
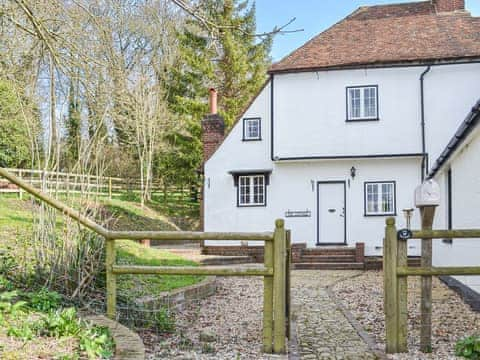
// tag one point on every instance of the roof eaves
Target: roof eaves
(467, 126)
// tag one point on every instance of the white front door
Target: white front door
(331, 212)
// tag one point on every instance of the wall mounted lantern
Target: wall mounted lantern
(353, 172)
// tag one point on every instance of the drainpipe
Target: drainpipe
(422, 104)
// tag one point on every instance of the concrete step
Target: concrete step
(334, 258)
(227, 260)
(328, 266)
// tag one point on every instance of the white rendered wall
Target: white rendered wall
(310, 113)
(450, 93)
(466, 211)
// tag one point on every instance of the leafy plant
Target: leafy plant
(469, 347)
(5, 284)
(7, 306)
(165, 320)
(96, 342)
(44, 300)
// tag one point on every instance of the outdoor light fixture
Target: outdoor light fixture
(353, 172)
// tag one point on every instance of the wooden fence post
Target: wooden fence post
(427, 213)
(111, 279)
(279, 254)
(110, 188)
(268, 300)
(402, 296)
(390, 286)
(287, 280)
(20, 191)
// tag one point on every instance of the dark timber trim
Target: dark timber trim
(394, 198)
(375, 118)
(345, 212)
(271, 116)
(425, 160)
(361, 66)
(468, 125)
(336, 157)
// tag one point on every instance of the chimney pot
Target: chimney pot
(213, 101)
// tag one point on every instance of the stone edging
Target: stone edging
(468, 295)
(178, 298)
(128, 345)
(351, 319)
(293, 340)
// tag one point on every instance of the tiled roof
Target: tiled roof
(386, 34)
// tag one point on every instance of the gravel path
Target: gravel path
(452, 318)
(323, 331)
(232, 319)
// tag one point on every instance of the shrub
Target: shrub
(43, 300)
(469, 347)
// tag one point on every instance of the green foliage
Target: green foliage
(95, 342)
(7, 304)
(468, 347)
(43, 300)
(234, 61)
(14, 135)
(165, 320)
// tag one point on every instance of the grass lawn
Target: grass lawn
(16, 224)
(135, 286)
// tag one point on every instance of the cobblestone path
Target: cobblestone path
(323, 331)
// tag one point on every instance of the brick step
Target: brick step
(227, 260)
(329, 251)
(334, 258)
(328, 266)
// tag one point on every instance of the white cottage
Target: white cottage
(345, 128)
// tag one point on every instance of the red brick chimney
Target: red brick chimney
(213, 128)
(442, 6)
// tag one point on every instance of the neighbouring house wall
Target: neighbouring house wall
(465, 166)
(450, 93)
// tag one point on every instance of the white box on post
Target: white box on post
(427, 194)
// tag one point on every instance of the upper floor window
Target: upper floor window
(380, 198)
(362, 103)
(252, 129)
(251, 190)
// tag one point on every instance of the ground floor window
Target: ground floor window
(380, 198)
(251, 190)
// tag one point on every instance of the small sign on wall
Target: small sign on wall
(298, 213)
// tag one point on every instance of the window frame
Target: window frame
(247, 138)
(251, 187)
(394, 198)
(362, 104)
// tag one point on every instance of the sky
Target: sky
(313, 16)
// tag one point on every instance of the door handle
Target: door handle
(332, 210)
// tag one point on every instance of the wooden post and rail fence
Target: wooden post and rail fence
(74, 183)
(274, 271)
(396, 272)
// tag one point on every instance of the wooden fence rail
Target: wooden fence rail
(62, 182)
(274, 271)
(396, 271)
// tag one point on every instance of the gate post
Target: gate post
(268, 299)
(279, 245)
(390, 286)
(402, 295)
(111, 279)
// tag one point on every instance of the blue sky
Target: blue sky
(313, 16)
